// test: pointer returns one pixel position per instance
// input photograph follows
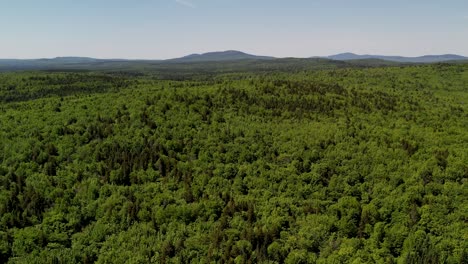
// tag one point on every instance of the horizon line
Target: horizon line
(220, 51)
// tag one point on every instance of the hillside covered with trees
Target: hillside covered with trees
(340, 165)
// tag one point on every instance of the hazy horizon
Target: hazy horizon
(167, 29)
(318, 56)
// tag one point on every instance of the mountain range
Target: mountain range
(231, 55)
(215, 59)
(420, 59)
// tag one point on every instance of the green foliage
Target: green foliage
(352, 165)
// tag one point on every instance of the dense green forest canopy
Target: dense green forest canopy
(339, 165)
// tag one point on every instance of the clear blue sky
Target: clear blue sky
(158, 29)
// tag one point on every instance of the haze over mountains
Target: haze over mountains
(238, 55)
(210, 57)
(420, 59)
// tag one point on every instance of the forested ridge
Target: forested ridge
(349, 165)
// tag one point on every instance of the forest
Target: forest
(333, 164)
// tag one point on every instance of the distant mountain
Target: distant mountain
(72, 60)
(229, 55)
(63, 63)
(421, 59)
(219, 61)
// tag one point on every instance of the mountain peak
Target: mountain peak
(228, 55)
(347, 54)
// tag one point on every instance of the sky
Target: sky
(161, 29)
